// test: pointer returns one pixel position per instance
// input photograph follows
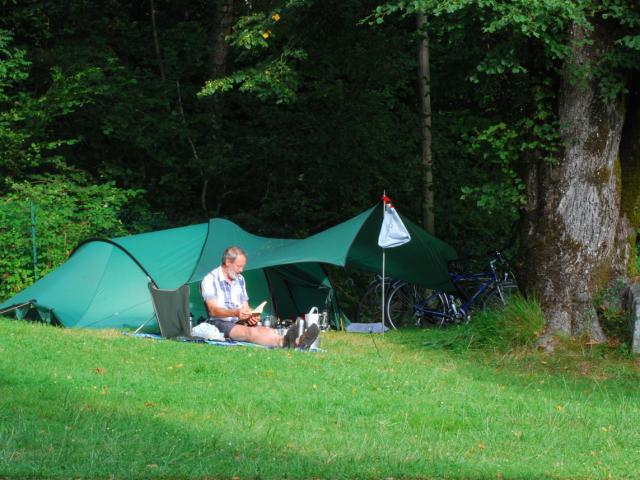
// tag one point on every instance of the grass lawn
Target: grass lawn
(100, 404)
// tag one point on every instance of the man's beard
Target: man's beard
(231, 274)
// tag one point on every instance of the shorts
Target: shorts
(224, 326)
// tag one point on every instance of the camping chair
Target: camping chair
(172, 311)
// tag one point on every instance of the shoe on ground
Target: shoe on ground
(308, 337)
(290, 336)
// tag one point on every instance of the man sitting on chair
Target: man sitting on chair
(225, 295)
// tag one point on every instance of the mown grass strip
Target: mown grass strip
(97, 404)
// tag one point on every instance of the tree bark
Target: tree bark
(574, 218)
(426, 153)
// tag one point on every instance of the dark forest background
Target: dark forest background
(290, 116)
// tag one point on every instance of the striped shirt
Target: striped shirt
(232, 295)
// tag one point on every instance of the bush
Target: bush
(67, 210)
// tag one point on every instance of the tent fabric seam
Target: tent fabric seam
(204, 244)
(371, 210)
(124, 250)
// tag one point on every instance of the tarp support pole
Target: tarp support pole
(33, 240)
(15, 307)
(383, 282)
(144, 323)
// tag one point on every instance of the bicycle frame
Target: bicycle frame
(453, 311)
(408, 303)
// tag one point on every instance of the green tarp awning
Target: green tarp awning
(104, 283)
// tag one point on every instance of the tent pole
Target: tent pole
(144, 323)
(15, 307)
(154, 309)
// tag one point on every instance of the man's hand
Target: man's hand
(244, 314)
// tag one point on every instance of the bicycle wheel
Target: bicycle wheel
(505, 274)
(369, 308)
(493, 299)
(414, 305)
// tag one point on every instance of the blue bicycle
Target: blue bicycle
(412, 305)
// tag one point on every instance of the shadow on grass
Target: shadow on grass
(108, 414)
(55, 430)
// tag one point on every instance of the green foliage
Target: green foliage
(68, 209)
(348, 116)
(498, 62)
(541, 131)
(506, 55)
(271, 77)
(28, 140)
(621, 56)
(275, 79)
(517, 38)
(21, 116)
(503, 151)
(307, 109)
(496, 147)
(253, 31)
(13, 65)
(544, 21)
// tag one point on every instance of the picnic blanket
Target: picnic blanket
(218, 343)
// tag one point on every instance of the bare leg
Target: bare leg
(259, 335)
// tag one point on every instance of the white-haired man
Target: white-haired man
(225, 294)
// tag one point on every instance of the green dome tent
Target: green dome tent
(103, 284)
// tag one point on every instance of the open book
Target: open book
(259, 308)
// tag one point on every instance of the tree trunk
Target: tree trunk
(426, 154)
(222, 23)
(156, 43)
(573, 219)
